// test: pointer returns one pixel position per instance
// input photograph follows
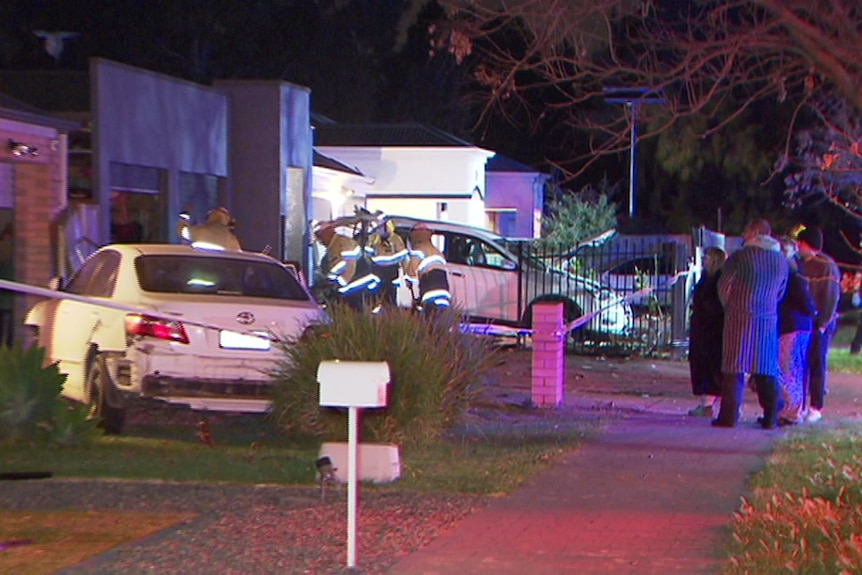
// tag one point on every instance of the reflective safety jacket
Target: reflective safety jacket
(210, 234)
(348, 266)
(388, 255)
(427, 266)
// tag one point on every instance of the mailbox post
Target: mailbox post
(352, 384)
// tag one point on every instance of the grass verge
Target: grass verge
(840, 360)
(488, 455)
(494, 456)
(42, 542)
(805, 511)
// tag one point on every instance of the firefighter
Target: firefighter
(389, 258)
(346, 265)
(427, 267)
(216, 232)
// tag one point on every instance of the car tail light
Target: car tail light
(145, 325)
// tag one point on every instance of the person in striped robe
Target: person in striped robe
(752, 282)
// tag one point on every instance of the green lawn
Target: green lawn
(486, 458)
(804, 512)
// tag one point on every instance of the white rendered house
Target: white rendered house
(410, 169)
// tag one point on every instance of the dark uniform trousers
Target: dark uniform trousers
(733, 386)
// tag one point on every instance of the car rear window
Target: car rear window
(221, 276)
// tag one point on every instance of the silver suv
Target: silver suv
(493, 285)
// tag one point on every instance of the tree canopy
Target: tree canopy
(550, 62)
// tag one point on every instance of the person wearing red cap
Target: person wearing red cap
(824, 282)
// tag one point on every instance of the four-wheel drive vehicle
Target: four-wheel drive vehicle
(491, 284)
(171, 322)
(646, 280)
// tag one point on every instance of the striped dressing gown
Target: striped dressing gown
(752, 283)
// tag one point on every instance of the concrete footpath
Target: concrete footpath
(655, 493)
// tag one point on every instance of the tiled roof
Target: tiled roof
(324, 161)
(15, 109)
(500, 163)
(7, 102)
(50, 90)
(392, 135)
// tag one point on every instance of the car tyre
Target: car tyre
(111, 419)
(571, 312)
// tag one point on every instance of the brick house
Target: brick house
(33, 194)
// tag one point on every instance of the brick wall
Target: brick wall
(39, 197)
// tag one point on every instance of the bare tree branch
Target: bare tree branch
(545, 62)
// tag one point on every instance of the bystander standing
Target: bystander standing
(753, 279)
(856, 300)
(796, 314)
(707, 324)
(824, 281)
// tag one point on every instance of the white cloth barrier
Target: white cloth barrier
(55, 294)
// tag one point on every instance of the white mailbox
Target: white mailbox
(353, 383)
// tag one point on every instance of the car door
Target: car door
(73, 322)
(487, 279)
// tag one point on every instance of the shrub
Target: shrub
(806, 515)
(31, 408)
(71, 425)
(434, 370)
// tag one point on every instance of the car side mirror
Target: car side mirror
(509, 265)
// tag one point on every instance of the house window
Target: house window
(507, 224)
(199, 193)
(504, 222)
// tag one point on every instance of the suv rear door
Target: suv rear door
(488, 278)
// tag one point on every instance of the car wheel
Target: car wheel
(571, 312)
(111, 419)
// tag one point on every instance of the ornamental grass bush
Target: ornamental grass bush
(31, 407)
(434, 369)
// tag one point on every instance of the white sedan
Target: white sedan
(171, 322)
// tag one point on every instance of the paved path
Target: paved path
(655, 494)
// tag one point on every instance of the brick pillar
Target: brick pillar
(548, 355)
(38, 198)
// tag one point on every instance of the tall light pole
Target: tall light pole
(633, 98)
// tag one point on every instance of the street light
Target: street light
(632, 98)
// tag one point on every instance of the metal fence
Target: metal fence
(650, 273)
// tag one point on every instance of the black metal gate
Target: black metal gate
(648, 275)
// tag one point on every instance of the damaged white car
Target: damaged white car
(174, 323)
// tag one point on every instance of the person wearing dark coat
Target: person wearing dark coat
(752, 280)
(706, 325)
(856, 344)
(796, 313)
